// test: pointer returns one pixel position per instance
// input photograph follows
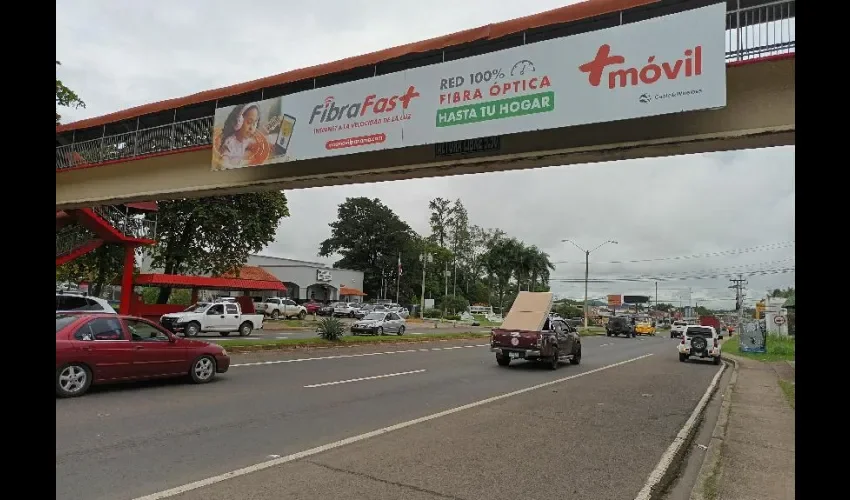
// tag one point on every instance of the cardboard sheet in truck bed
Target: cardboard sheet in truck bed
(529, 311)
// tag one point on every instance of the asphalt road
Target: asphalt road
(592, 437)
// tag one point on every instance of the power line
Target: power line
(643, 279)
(716, 270)
(737, 251)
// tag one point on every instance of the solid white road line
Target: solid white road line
(361, 437)
(325, 384)
(343, 356)
(669, 455)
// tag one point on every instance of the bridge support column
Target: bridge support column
(127, 278)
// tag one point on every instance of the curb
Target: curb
(711, 465)
(668, 467)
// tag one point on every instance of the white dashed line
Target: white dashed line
(374, 377)
(345, 356)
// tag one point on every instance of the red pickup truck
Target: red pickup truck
(529, 333)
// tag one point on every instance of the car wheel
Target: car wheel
(401, 330)
(555, 361)
(717, 360)
(576, 359)
(503, 360)
(350, 315)
(302, 315)
(275, 314)
(224, 334)
(608, 334)
(193, 329)
(245, 329)
(634, 335)
(203, 370)
(380, 331)
(683, 357)
(72, 380)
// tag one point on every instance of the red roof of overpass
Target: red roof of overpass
(250, 278)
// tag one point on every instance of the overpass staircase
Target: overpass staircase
(80, 231)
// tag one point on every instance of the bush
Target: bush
(454, 303)
(331, 328)
(433, 313)
(453, 317)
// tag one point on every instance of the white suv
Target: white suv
(701, 341)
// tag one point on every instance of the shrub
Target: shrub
(331, 328)
(433, 313)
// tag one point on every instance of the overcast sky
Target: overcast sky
(737, 207)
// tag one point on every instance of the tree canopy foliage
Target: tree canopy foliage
(66, 97)
(469, 264)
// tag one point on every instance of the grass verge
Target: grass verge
(711, 486)
(278, 324)
(591, 331)
(240, 345)
(789, 389)
(779, 348)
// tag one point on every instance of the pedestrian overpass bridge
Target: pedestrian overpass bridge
(163, 150)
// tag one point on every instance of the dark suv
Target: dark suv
(620, 325)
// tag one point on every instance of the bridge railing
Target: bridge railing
(751, 33)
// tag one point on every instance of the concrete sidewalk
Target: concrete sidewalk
(756, 440)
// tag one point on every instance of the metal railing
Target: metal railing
(70, 237)
(761, 31)
(128, 224)
(752, 33)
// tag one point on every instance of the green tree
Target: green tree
(66, 97)
(664, 307)
(501, 262)
(214, 235)
(369, 237)
(99, 268)
(441, 220)
(784, 293)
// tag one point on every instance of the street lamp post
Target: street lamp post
(587, 267)
(425, 258)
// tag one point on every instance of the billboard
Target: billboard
(635, 299)
(663, 65)
(615, 300)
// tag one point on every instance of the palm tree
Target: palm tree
(541, 267)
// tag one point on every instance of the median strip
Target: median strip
(244, 345)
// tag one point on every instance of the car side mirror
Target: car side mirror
(172, 339)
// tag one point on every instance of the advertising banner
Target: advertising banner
(663, 65)
(615, 300)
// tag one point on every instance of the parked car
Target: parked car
(99, 348)
(76, 302)
(379, 323)
(277, 307)
(348, 309)
(620, 325)
(555, 342)
(701, 341)
(312, 307)
(224, 318)
(326, 310)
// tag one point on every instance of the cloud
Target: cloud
(117, 56)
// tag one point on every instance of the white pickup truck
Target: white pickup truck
(221, 317)
(277, 307)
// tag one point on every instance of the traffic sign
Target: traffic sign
(779, 320)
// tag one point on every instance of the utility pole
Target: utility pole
(656, 297)
(446, 281)
(586, 274)
(737, 284)
(397, 278)
(587, 268)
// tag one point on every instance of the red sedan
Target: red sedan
(105, 348)
(312, 307)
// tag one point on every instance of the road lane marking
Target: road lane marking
(361, 437)
(374, 377)
(344, 356)
(669, 456)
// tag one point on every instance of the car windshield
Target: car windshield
(200, 306)
(374, 316)
(63, 320)
(698, 331)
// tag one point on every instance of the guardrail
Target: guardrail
(751, 33)
(133, 226)
(71, 237)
